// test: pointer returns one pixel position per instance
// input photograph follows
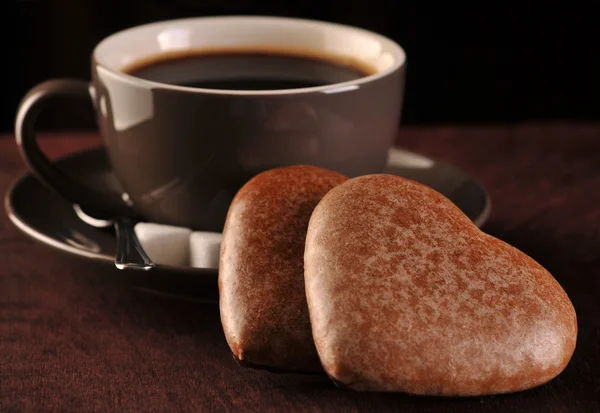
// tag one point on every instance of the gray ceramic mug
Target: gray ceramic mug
(181, 153)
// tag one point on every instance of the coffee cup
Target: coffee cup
(190, 109)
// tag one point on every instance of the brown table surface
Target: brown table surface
(71, 340)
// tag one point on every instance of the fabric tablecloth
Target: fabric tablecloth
(74, 340)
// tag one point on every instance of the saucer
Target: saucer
(44, 216)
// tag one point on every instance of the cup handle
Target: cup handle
(30, 107)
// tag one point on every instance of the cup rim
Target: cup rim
(332, 88)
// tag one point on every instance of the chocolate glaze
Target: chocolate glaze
(261, 274)
(406, 294)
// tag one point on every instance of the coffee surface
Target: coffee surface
(248, 69)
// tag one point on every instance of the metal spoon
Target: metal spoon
(129, 254)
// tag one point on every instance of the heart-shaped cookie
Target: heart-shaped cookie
(406, 294)
(261, 271)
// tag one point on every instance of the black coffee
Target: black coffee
(248, 69)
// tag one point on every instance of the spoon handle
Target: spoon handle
(130, 253)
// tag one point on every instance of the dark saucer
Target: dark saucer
(47, 218)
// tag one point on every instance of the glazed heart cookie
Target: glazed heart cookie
(406, 294)
(261, 271)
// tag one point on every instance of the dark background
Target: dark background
(490, 62)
